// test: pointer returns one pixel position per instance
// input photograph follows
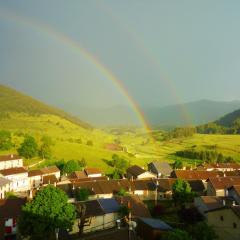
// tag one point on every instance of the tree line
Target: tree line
(209, 156)
(180, 133)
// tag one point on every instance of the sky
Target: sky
(161, 52)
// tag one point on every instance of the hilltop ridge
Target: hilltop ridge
(13, 101)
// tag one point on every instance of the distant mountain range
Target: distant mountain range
(192, 113)
(195, 113)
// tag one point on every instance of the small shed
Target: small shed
(152, 229)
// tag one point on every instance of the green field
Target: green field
(71, 141)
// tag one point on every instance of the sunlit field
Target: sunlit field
(74, 142)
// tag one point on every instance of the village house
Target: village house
(77, 175)
(50, 179)
(225, 222)
(195, 175)
(138, 208)
(208, 203)
(198, 187)
(224, 167)
(136, 172)
(218, 186)
(160, 169)
(10, 161)
(35, 178)
(5, 186)
(93, 172)
(10, 210)
(19, 178)
(165, 188)
(234, 192)
(103, 188)
(51, 170)
(96, 215)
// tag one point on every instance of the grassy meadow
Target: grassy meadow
(70, 141)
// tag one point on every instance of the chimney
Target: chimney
(31, 194)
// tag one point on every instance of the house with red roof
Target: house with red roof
(10, 161)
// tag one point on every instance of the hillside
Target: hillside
(73, 139)
(228, 124)
(229, 120)
(14, 101)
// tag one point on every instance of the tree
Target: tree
(182, 192)
(119, 164)
(207, 232)
(122, 192)
(71, 166)
(82, 194)
(45, 151)
(124, 211)
(28, 148)
(48, 211)
(5, 140)
(90, 143)
(178, 164)
(177, 234)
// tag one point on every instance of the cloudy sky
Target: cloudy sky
(163, 52)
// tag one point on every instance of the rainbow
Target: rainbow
(138, 41)
(46, 29)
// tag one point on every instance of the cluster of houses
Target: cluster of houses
(217, 187)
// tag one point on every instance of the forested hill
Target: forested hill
(228, 124)
(230, 120)
(14, 101)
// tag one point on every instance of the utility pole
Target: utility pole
(156, 193)
(129, 221)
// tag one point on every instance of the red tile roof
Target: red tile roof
(77, 175)
(49, 170)
(194, 174)
(9, 157)
(11, 208)
(34, 173)
(223, 165)
(90, 171)
(135, 170)
(12, 171)
(138, 208)
(224, 182)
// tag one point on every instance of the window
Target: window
(221, 218)
(234, 225)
